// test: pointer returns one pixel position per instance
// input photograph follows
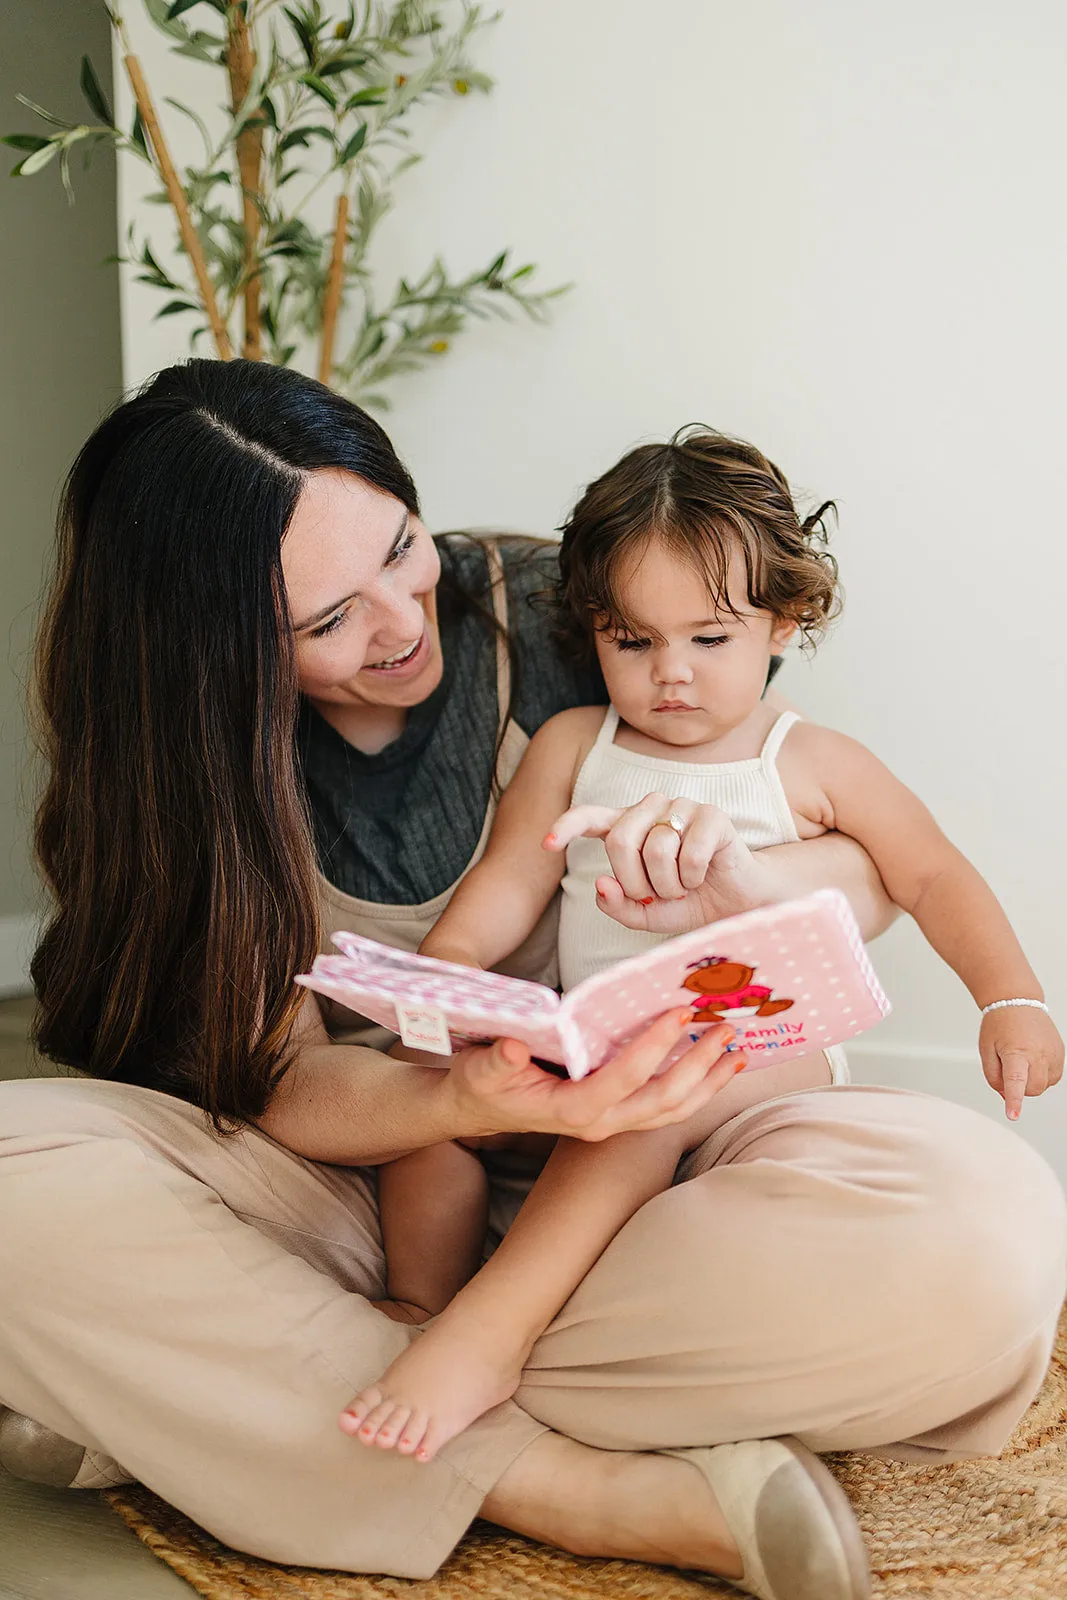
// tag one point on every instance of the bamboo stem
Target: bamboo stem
(334, 284)
(241, 65)
(190, 238)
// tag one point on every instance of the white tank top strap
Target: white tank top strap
(773, 778)
(591, 770)
(775, 739)
(606, 733)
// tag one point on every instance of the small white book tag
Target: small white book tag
(424, 1028)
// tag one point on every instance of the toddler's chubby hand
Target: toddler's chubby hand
(1022, 1054)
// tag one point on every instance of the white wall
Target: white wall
(836, 229)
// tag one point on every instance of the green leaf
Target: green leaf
(138, 137)
(179, 6)
(196, 52)
(354, 146)
(157, 10)
(25, 141)
(172, 308)
(34, 163)
(197, 121)
(31, 105)
(64, 172)
(343, 63)
(316, 85)
(295, 228)
(304, 34)
(93, 93)
(367, 97)
(300, 136)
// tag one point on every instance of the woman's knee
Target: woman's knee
(1002, 1218)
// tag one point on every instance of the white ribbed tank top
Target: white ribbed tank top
(750, 792)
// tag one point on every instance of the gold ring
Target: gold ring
(674, 822)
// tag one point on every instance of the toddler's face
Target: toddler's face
(695, 670)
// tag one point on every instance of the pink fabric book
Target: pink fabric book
(791, 978)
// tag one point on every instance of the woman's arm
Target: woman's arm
(354, 1107)
(833, 861)
(658, 886)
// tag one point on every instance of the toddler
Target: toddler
(687, 570)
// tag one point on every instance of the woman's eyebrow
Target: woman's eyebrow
(327, 611)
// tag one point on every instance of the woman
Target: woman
(241, 561)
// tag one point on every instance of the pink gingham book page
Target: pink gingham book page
(791, 979)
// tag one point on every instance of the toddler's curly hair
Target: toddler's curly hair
(706, 496)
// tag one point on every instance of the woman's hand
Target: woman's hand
(672, 876)
(499, 1089)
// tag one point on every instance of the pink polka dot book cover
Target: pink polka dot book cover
(791, 979)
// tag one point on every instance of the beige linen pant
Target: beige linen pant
(865, 1268)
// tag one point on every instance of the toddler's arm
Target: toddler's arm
(498, 904)
(958, 912)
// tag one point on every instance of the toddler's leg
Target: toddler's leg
(472, 1357)
(434, 1206)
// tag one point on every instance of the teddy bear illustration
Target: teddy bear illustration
(726, 991)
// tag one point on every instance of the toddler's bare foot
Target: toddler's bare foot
(441, 1384)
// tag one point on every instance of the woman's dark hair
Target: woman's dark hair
(704, 495)
(173, 830)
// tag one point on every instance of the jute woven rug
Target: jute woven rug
(979, 1530)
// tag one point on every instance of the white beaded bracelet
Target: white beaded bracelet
(998, 1005)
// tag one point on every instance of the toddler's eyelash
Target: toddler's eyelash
(708, 640)
(395, 558)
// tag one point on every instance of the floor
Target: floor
(61, 1544)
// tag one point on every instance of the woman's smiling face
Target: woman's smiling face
(360, 577)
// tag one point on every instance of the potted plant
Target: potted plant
(315, 98)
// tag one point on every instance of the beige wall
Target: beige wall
(59, 369)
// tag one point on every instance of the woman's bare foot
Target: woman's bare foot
(450, 1376)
